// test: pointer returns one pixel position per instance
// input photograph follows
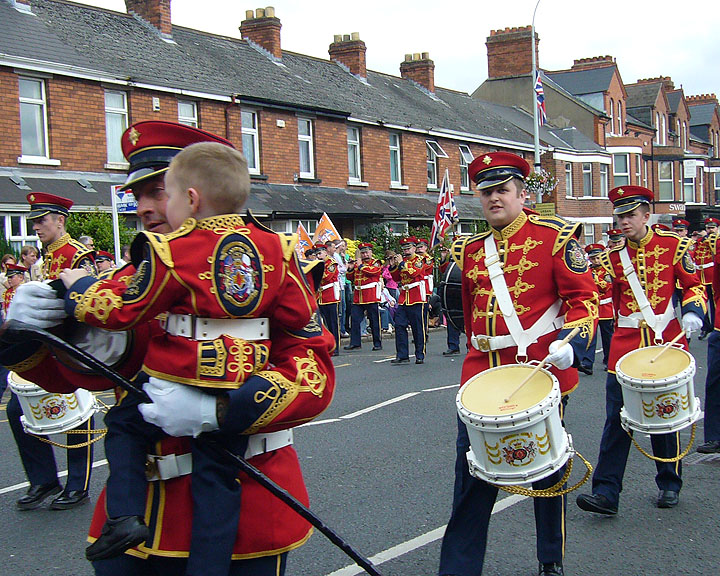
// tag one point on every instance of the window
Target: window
(716, 195)
(646, 172)
(395, 171)
(17, 231)
(251, 149)
(619, 117)
(657, 128)
(689, 183)
(638, 170)
(305, 141)
(612, 116)
(33, 118)
(684, 136)
(568, 179)
(116, 122)
(291, 226)
(663, 130)
(604, 180)
(665, 181)
(701, 187)
(587, 179)
(466, 159)
(353, 143)
(589, 233)
(621, 170)
(434, 150)
(187, 113)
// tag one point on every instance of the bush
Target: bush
(99, 225)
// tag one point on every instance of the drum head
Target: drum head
(450, 291)
(638, 364)
(17, 382)
(485, 393)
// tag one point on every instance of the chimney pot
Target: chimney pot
(337, 38)
(408, 57)
(260, 13)
(270, 12)
(355, 36)
(249, 14)
(263, 30)
(349, 50)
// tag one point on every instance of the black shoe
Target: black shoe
(451, 352)
(668, 499)
(118, 534)
(551, 569)
(596, 503)
(712, 447)
(703, 335)
(350, 347)
(419, 361)
(69, 499)
(400, 361)
(336, 353)
(586, 370)
(36, 495)
(376, 348)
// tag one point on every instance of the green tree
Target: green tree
(99, 225)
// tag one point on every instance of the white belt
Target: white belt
(703, 266)
(421, 284)
(636, 320)
(364, 286)
(174, 465)
(335, 286)
(489, 343)
(605, 301)
(196, 328)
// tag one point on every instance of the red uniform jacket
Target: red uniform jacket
(410, 276)
(366, 280)
(7, 298)
(330, 286)
(603, 282)
(66, 253)
(542, 262)
(659, 259)
(704, 260)
(217, 268)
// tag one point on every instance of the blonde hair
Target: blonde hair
(218, 172)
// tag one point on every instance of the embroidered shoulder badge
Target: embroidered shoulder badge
(575, 257)
(687, 263)
(237, 275)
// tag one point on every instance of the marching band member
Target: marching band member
(15, 275)
(104, 261)
(711, 424)
(48, 214)
(643, 278)
(410, 272)
(299, 382)
(616, 238)
(704, 254)
(606, 316)
(525, 285)
(453, 334)
(365, 273)
(421, 249)
(329, 294)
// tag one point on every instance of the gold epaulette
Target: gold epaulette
(682, 247)
(605, 261)
(712, 239)
(288, 241)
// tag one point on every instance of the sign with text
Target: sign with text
(124, 201)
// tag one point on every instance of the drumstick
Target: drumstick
(537, 368)
(668, 345)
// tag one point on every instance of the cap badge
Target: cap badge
(620, 191)
(133, 136)
(32, 197)
(487, 160)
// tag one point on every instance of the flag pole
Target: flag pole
(536, 127)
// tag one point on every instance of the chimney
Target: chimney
(594, 62)
(509, 52)
(156, 12)
(666, 81)
(263, 29)
(702, 99)
(419, 68)
(349, 51)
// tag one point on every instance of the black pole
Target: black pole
(14, 331)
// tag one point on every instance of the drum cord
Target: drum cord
(666, 460)
(100, 432)
(555, 490)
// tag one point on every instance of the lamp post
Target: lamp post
(536, 127)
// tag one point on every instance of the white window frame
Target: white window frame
(612, 116)
(466, 159)
(657, 128)
(662, 193)
(568, 179)
(587, 169)
(624, 177)
(42, 103)
(396, 153)
(434, 150)
(604, 180)
(354, 156)
(115, 158)
(588, 233)
(250, 139)
(638, 169)
(663, 133)
(716, 188)
(291, 226)
(688, 185)
(306, 140)
(619, 117)
(27, 234)
(192, 118)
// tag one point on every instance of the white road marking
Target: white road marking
(61, 474)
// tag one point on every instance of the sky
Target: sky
(648, 38)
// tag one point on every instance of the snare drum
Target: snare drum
(515, 442)
(658, 397)
(46, 413)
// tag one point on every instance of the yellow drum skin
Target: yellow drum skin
(638, 364)
(486, 392)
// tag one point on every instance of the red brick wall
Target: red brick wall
(10, 146)
(509, 52)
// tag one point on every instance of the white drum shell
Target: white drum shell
(491, 436)
(48, 413)
(642, 399)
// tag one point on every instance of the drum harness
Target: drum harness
(548, 322)
(657, 323)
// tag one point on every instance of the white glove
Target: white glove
(36, 303)
(178, 409)
(108, 347)
(691, 322)
(561, 357)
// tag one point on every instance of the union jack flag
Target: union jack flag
(540, 100)
(446, 213)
